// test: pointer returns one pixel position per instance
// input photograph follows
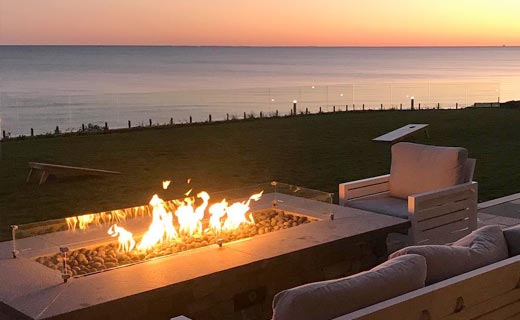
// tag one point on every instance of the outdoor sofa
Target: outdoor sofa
(475, 277)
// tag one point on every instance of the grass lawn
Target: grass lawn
(316, 151)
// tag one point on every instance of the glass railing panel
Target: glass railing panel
(79, 113)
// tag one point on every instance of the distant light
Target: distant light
(294, 101)
(312, 87)
(341, 94)
(272, 100)
(412, 97)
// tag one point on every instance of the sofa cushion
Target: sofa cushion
(481, 247)
(332, 298)
(512, 235)
(384, 204)
(420, 168)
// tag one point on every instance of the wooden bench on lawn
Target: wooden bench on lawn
(48, 168)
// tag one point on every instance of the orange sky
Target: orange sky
(261, 22)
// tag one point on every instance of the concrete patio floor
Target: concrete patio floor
(503, 211)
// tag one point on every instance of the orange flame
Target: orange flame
(236, 213)
(166, 184)
(125, 238)
(190, 219)
(223, 218)
(217, 211)
(161, 226)
(82, 222)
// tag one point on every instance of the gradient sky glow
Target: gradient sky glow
(262, 22)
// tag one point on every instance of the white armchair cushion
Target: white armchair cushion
(481, 247)
(384, 204)
(330, 299)
(420, 168)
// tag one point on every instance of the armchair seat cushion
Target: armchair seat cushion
(481, 247)
(383, 204)
(420, 168)
(333, 298)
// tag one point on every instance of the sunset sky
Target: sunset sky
(261, 22)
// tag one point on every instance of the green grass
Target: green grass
(317, 151)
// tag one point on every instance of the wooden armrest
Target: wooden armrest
(444, 199)
(362, 188)
(442, 193)
(367, 181)
(444, 215)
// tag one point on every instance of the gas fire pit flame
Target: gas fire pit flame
(190, 218)
(223, 218)
(166, 184)
(81, 222)
(217, 212)
(126, 239)
(161, 227)
(236, 214)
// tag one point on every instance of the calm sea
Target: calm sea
(45, 86)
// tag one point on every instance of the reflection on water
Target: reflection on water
(47, 86)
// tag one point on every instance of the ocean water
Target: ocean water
(42, 87)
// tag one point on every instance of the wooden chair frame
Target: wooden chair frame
(437, 217)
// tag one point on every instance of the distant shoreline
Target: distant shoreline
(91, 129)
(254, 46)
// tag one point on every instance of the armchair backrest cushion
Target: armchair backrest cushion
(333, 298)
(418, 168)
(481, 247)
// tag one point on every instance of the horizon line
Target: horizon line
(256, 46)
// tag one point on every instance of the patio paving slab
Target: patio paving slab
(503, 211)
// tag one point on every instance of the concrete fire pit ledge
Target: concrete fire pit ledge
(236, 281)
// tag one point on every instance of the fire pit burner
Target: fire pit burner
(93, 259)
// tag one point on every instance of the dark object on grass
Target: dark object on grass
(48, 169)
(511, 104)
(89, 128)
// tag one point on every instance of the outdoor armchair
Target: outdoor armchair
(431, 186)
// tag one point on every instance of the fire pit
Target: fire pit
(94, 259)
(285, 236)
(163, 228)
